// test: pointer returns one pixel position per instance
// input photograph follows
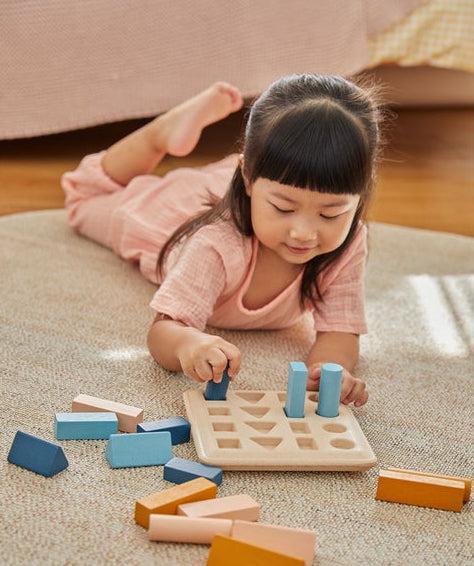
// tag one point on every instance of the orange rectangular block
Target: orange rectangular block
(467, 481)
(167, 501)
(240, 506)
(286, 540)
(175, 528)
(232, 552)
(128, 416)
(421, 490)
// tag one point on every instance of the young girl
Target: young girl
(254, 240)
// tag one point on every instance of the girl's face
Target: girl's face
(299, 224)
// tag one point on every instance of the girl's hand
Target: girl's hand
(353, 389)
(204, 357)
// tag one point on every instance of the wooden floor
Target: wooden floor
(426, 179)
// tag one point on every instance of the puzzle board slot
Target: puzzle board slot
(262, 427)
(251, 396)
(232, 443)
(342, 443)
(218, 411)
(223, 426)
(306, 443)
(299, 427)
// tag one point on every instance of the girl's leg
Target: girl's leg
(176, 132)
(93, 199)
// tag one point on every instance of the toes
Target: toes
(232, 91)
(237, 101)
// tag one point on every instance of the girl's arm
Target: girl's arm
(341, 348)
(201, 356)
(336, 347)
(166, 338)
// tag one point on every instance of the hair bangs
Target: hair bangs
(341, 164)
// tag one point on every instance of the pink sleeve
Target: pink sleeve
(193, 285)
(343, 309)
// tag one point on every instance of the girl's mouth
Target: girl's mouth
(299, 251)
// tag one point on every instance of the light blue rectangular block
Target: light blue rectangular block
(139, 449)
(296, 390)
(85, 426)
(179, 470)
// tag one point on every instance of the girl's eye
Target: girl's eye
(282, 210)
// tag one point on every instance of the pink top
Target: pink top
(207, 276)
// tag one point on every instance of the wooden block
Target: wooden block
(329, 390)
(37, 455)
(179, 470)
(128, 416)
(139, 449)
(467, 481)
(250, 431)
(174, 528)
(179, 428)
(240, 506)
(217, 391)
(85, 426)
(297, 542)
(296, 390)
(232, 552)
(424, 491)
(167, 501)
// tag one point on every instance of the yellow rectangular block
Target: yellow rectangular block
(167, 501)
(421, 490)
(128, 416)
(175, 528)
(226, 551)
(240, 506)
(467, 481)
(287, 540)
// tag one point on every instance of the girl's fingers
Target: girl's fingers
(356, 392)
(218, 362)
(347, 386)
(233, 356)
(203, 370)
(190, 372)
(362, 400)
(314, 372)
(313, 381)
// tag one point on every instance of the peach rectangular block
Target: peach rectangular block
(240, 506)
(421, 490)
(128, 416)
(173, 528)
(233, 552)
(286, 540)
(167, 501)
(467, 481)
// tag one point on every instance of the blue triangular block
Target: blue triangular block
(37, 455)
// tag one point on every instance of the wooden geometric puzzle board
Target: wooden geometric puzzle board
(250, 431)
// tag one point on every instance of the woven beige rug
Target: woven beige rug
(74, 318)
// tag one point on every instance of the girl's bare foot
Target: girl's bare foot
(177, 131)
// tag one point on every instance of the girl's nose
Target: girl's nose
(303, 235)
